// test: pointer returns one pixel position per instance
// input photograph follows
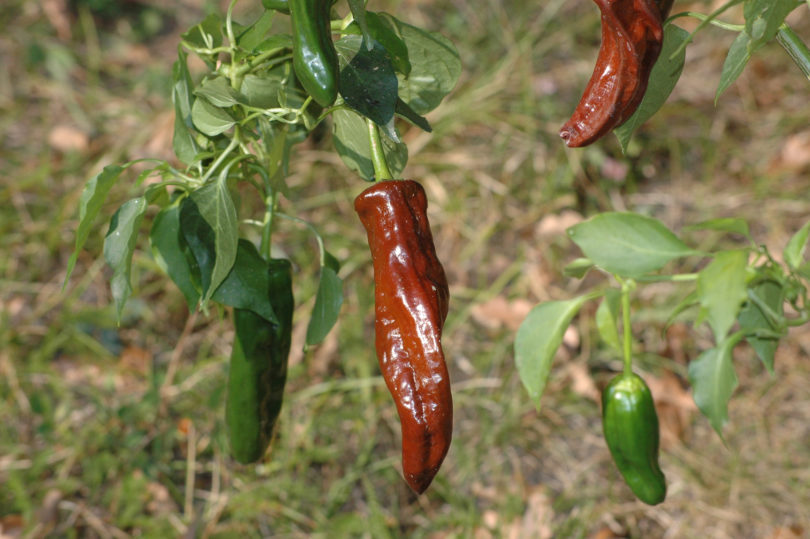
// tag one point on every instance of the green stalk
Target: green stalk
(381, 171)
(795, 48)
(628, 333)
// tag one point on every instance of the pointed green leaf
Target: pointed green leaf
(663, 78)
(206, 34)
(119, 244)
(382, 28)
(794, 251)
(537, 340)
(627, 244)
(219, 92)
(713, 381)
(578, 268)
(726, 224)
(606, 319)
(404, 111)
(256, 32)
(247, 285)
(686, 303)
(358, 9)
(435, 68)
(93, 196)
(352, 144)
(211, 206)
(738, 56)
(327, 306)
(183, 143)
(168, 252)
(721, 289)
(752, 318)
(210, 120)
(368, 84)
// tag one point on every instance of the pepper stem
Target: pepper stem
(795, 48)
(627, 330)
(381, 171)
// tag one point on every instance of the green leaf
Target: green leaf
(578, 268)
(327, 306)
(358, 9)
(627, 244)
(368, 84)
(794, 250)
(537, 340)
(721, 288)
(168, 252)
(183, 143)
(262, 91)
(93, 196)
(210, 206)
(404, 111)
(382, 28)
(435, 68)
(219, 92)
(119, 244)
(256, 32)
(725, 224)
(275, 42)
(207, 34)
(738, 56)
(352, 144)
(210, 120)
(330, 261)
(686, 303)
(663, 78)
(762, 21)
(752, 318)
(713, 381)
(764, 17)
(606, 319)
(247, 285)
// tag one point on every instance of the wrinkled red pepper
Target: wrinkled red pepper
(411, 303)
(632, 36)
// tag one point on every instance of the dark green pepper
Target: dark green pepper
(259, 368)
(631, 431)
(314, 57)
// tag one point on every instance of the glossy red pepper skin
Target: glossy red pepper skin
(411, 303)
(632, 36)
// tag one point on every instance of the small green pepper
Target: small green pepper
(631, 431)
(314, 57)
(259, 368)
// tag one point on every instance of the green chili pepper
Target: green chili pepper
(314, 57)
(259, 368)
(631, 431)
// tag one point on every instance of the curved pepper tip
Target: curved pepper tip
(419, 482)
(569, 136)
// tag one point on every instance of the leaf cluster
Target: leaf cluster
(741, 294)
(235, 128)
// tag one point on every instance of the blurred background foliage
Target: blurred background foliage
(110, 431)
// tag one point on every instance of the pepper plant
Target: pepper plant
(236, 127)
(744, 294)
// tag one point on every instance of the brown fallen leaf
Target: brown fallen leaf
(788, 532)
(499, 312)
(582, 383)
(67, 138)
(675, 407)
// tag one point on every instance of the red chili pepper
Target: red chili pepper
(411, 303)
(632, 36)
